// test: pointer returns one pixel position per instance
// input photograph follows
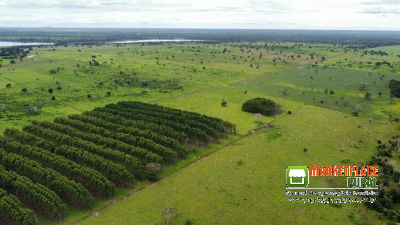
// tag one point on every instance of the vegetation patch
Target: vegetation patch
(263, 106)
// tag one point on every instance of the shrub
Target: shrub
(260, 105)
(224, 103)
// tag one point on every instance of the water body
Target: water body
(14, 43)
(155, 41)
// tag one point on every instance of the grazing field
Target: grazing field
(93, 107)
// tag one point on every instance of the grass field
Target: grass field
(239, 180)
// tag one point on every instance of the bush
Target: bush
(224, 103)
(260, 105)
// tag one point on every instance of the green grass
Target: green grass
(314, 87)
(240, 180)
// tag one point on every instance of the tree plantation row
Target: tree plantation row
(48, 166)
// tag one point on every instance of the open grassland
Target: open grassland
(336, 89)
(240, 179)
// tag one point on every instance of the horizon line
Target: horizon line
(201, 28)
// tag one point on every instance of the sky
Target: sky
(251, 14)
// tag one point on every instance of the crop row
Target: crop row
(48, 165)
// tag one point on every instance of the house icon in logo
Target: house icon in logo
(297, 176)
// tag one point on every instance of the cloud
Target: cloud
(382, 2)
(311, 14)
(381, 11)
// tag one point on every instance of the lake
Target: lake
(14, 43)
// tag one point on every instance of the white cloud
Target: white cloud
(310, 14)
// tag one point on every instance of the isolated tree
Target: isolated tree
(8, 85)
